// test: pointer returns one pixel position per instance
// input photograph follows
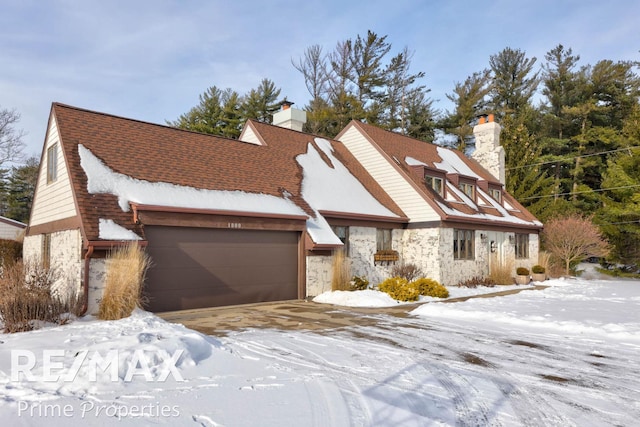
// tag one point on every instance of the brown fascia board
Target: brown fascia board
(397, 167)
(83, 232)
(157, 208)
(40, 166)
(487, 224)
(363, 217)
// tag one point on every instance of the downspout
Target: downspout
(85, 281)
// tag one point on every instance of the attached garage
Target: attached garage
(195, 267)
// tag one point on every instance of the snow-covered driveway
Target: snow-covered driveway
(568, 355)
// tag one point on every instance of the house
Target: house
(461, 221)
(10, 229)
(258, 219)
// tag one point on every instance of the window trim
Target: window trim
(46, 251)
(52, 163)
(345, 239)
(521, 246)
(384, 244)
(464, 248)
(435, 179)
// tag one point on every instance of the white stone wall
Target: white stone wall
(97, 276)
(65, 257)
(422, 248)
(319, 270)
(362, 241)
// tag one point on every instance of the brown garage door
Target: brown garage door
(203, 267)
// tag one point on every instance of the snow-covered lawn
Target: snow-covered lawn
(566, 355)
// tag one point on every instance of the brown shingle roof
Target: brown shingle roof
(400, 147)
(158, 153)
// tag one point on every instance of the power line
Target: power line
(574, 157)
(580, 192)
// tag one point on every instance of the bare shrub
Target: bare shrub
(126, 271)
(27, 297)
(341, 271)
(10, 252)
(573, 238)
(501, 272)
(476, 281)
(407, 271)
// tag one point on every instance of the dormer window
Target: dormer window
(435, 183)
(496, 194)
(468, 189)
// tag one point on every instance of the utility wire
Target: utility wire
(580, 192)
(572, 158)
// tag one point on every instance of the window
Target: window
(463, 244)
(46, 250)
(522, 246)
(434, 183)
(468, 189)
(496, 194)
(52, 163)
(343, 234)
(383, 239)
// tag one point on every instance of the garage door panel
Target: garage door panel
(195, 267)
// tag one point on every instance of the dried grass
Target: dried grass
(544, 259)
(27, 298)
(126, 270)
(501, 272)
(341, 271)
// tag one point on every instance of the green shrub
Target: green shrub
(399, 289)
(474, 282)
(359, 283)
(522, 271)
(430, 288)
(538, 269)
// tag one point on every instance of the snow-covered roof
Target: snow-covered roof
(115, 162)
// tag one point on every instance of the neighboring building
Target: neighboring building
(10, 229)
(257, 219)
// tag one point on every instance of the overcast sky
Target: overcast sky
(150, 59)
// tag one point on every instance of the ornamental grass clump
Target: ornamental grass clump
(501, 272)
(126, 270)
(341, 272)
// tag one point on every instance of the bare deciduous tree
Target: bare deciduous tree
(574, 238)
(11, 144)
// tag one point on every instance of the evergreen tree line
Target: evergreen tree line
(17, 186)
(571, 132)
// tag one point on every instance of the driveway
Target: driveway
(294, 315)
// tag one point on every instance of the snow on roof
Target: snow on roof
(453, 164)
(109, 230)
(323, 187)
(414, 162)
(101, 179)
(335, 188)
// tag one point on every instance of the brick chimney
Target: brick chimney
(290, 118)
(489, 153)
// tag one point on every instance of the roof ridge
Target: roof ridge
(115, 116)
